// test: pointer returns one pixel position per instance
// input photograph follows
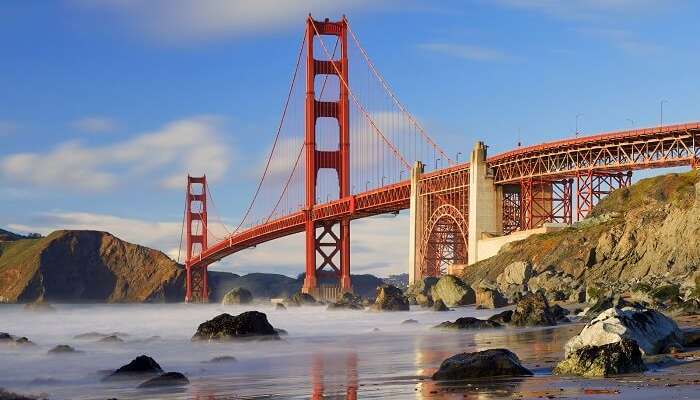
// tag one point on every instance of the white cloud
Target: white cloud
(192, 146)
(467, 52)
(177, 21)
(94, 124)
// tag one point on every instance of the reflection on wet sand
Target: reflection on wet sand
(326, 369)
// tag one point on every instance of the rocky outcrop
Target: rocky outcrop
(469, 323)
(139, 367)
(489, 298)
(248, 325)
(168, 379)
(301, 299)
(390, 298)
(503, 317)
(533, 310)
(621, 357)
(348, 301)
(420, 291)
(631, 238)
(237, 296)
(487, 363)
(452, 291)
(101, 267)
(653, 332)
(440, 306)
(63, 349)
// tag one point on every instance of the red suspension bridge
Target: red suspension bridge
(347, 148)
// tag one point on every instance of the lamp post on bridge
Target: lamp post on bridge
(631, 121)
(367, 185)
(661, 118)
(383, 177)
(459, 153)
(436, 162)
(577, 117)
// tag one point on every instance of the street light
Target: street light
(577, 116)
(459, 153)
(383, 177)
(436, 162)
(631, 121)
(661, 124)
(367, 186)
(401, 175)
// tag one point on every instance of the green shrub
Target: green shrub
(666, 292)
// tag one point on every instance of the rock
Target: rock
(453, 292)
(23, 341)
(421, 291)
(689, 307)
(111, 339)
(301, 299)
(517, 273)
(469, 323)
(348, 301)
(533, 310)
(390, 298)
(63, 349)
(424, 300)
(577, 296)
(603, 303)
(487, 363)
(560, 313)
(5, 395)
(237, 296)
(409, 321)
(489, 298)
(440, 306)
(5, 337)
(652, 331)
(138, 367)
(502, 317)
(222, 359)
(621, 357)
(166, 379)
(248, 325)
(280, 307)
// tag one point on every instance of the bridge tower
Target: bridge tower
(196, 286)
(328, 244)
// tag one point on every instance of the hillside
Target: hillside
(647, 233)
(86, 266)
(7, 236)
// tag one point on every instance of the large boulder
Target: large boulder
(420, 291)
(453, 292)
(168, 379)
(248, 325)
(469, 323)
(605, 302)
(301, 299)
(487, 363)
(533, 310)
(502, 317)
(237, 296)
(139, 367)
(440, 306)
(653, 332)
(517, 273)
(489, 298)
(390, 298)
(348, 301)
(621, 357)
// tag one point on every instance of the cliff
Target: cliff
(645, 234)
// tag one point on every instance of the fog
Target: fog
(326, 352)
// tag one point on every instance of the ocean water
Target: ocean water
(327, 354)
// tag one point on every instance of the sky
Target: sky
(107, 105)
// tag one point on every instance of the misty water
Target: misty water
(327, 354)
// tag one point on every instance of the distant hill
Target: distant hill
(7, 236)
(86, 266)
(93, 266)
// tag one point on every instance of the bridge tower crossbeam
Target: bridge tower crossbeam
(338, 160)
(196, 282)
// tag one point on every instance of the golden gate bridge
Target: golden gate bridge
(347, 148)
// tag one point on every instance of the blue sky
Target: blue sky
(102, 101)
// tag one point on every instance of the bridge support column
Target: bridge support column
(592, 186)
(485, 202)
(415, 227)
(196, 282)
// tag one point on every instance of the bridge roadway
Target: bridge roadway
(668, 146)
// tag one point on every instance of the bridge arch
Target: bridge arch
(444, 241)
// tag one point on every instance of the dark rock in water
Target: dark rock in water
(469, 323)
(138, 367)
(63, 349)
(533, 310)
(605, 302)
(560, 313)
(409, 321)
(111, 339)
(487, 363)
(5, 395)
(621, 357)
(237, 296)
(439, 305)
(420, 291)
(502, 317)
(281, 332)
(301, 299)
(248, 325)
(280, 307)
(5, 337)
(97, 335)
(166, 379)
(490, 298)
(23, 341)
(390, 298)
(348, 301)
(222, 359)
